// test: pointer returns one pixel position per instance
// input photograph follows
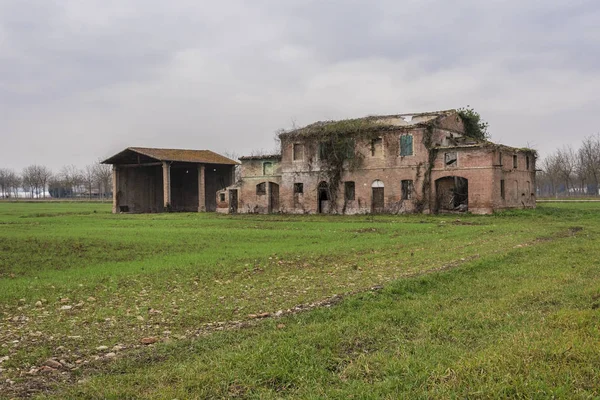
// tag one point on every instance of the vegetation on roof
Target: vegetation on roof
(345, 127)
(475, 127)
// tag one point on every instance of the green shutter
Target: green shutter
(406, 145)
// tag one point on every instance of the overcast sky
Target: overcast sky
(82, 79)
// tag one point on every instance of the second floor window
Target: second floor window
(406, 145)
(298, 152)
(515, 162)
(268, 168)
(298, 188)
(377, 147)
(323, 151)
(450, 159)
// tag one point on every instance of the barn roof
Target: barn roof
(180, 155)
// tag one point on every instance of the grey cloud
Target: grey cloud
(84, 78)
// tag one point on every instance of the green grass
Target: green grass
(515, 316)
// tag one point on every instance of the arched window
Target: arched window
(261, 189)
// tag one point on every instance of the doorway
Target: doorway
(233, 201)
(323, 198)
(378, 196)
(273, 197)
(452, 194)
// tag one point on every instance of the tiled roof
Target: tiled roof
(192, 156)
(262, 157)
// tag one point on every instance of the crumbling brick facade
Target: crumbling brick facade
(395, 164)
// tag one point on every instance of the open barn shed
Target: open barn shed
(147, 180)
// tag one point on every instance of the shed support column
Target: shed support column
(115, 189)
(201, 189)
(166, 185)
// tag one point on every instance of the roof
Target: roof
(489, 145)
(180, 155)
(374, 122)
(262, 157)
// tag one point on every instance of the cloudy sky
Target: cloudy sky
(82, 79)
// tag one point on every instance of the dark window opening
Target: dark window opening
(407, 189)
(298, 188)
(376, 147)
(298, 151)
(221, 197)
(406, 145)
(527, 162)
(261, 189)
(500, 159)
(349, 191)
(450, 159)
(515, 161)
(502, 189)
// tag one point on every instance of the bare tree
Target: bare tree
(29, 180)
(14, 183)
(103, 178)
(72, 178)
(549, 177)
(89, 179)
(566, 164)
(589, 155)
(4, 182)
(44, 174)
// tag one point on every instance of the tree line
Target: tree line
(571, 172)
(38, 181)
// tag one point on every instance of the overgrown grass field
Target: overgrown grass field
(279, 306)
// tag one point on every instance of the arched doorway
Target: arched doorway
(452, 194)
(323, 197)
(378, 197)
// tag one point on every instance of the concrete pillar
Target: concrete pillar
(201, 188)
(115, 189)
(166, 185)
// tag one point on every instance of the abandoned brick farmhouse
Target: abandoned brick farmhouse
(422, 162)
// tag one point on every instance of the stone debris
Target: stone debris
(52, 363)
(148, 340)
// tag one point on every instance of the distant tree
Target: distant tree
(89, 179)
(103, 178)
(566, 166)
(4, 182)
(72, 178)
(589, 156)
(28, 180)
(14, 183)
